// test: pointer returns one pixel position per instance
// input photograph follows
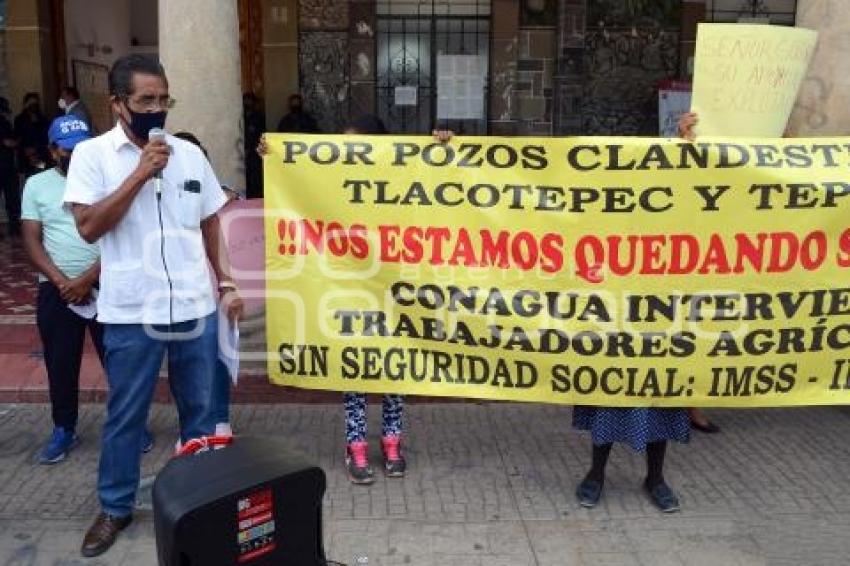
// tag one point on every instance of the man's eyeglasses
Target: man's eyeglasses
(148, 103)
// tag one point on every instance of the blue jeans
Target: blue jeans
(220, 401)
(133, 360)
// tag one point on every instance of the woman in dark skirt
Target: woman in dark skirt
(645, 430)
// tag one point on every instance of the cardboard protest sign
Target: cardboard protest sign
(746, 77)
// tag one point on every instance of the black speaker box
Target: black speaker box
(253, 502)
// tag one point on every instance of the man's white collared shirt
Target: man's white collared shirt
(150, 273)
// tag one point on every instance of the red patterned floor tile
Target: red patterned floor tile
(18, 282)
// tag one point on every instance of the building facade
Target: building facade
(492, 67)
(512, 67)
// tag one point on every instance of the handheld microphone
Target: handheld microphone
(157, 134)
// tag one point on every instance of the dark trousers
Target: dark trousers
(63, 334)
(12, 200)
(253, 174)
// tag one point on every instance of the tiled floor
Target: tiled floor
(22, 374)
(18, 284)
(487, 485)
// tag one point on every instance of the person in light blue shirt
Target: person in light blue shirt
(68, 270)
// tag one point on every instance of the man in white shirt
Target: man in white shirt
(151, 206)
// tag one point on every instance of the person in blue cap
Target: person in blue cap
(68, 270)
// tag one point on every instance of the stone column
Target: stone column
(199, 47)
(822, 108)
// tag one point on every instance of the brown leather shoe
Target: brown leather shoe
(102, 534)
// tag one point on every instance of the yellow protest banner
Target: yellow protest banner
(600, 271)
(746, 77)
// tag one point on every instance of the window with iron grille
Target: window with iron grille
(433, 65)
(777, 12)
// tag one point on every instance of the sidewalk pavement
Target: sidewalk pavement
(490, 484)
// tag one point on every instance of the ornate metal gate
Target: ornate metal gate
(416, 43)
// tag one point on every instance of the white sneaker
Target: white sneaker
(223, 429)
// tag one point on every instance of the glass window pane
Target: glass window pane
(781, 12)
(435, 7)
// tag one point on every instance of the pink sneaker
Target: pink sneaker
(394, 464)
(357, 463)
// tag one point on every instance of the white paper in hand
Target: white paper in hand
(228, 345)
(89, 310)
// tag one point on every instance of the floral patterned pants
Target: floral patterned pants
(355, 416)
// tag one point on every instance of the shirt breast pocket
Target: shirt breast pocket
(190, 204)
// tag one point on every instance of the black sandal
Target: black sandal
(708, 428)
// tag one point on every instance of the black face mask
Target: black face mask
(141, 123)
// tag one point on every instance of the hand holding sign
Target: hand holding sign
(746, 77)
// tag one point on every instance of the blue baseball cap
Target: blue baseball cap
(67, 132)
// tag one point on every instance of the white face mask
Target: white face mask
(62, 104)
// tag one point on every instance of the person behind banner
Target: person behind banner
(254, 120)
(357, 465)
(699, 421)
(645, 430)
(220, 398)
(392, 415)
(298, 120)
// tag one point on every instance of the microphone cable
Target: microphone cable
(159, 134)
(165, 263)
